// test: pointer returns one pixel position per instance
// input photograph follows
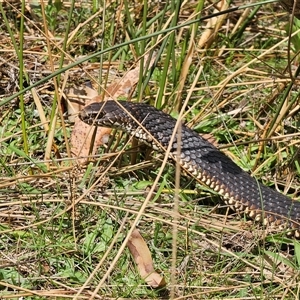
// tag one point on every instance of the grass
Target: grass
(63, 224)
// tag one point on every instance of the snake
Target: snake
(200, 159)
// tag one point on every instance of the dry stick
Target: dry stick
(268, 130)
(14, 287)
(175, 219)
(272, 138)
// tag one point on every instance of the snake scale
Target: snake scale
(201, 159)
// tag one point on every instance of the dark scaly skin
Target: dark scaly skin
(201, 159)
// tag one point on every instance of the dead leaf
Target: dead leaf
(142, 257)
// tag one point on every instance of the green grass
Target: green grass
(63, 224)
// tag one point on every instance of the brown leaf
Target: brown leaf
(142, 257)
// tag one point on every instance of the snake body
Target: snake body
(199, 158)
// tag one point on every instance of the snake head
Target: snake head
(104, 114)
(91, 113)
